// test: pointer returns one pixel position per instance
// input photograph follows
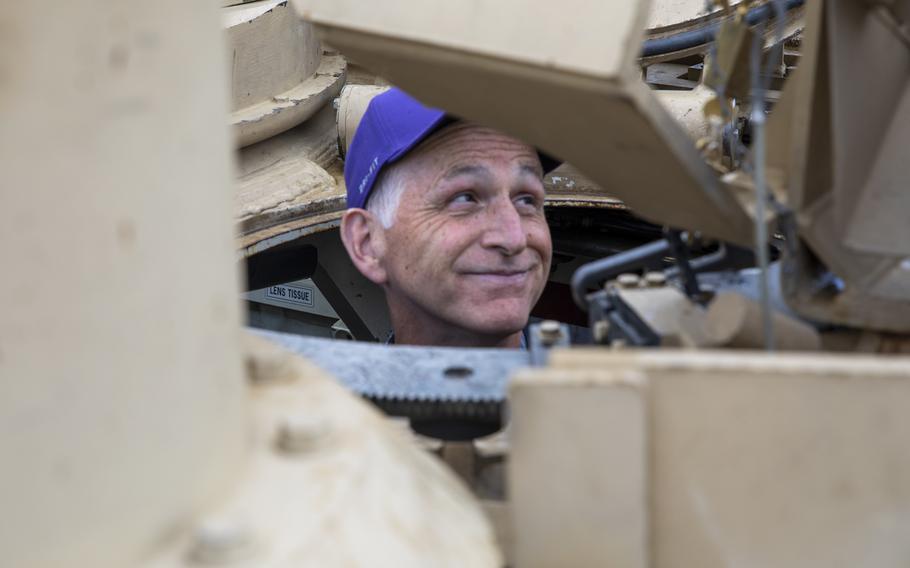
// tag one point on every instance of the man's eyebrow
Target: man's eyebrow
(467, 169)
(533, 169)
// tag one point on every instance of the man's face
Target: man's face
(470, 247)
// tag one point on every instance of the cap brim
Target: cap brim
(547, 162)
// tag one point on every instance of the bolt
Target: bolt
(550, 332)
(549, 327)
(655, 279)
(628, 280)
(222, 540)
(300, 433)
(601, 330)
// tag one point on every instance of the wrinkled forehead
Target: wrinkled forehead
(464, 142)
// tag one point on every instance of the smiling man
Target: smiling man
(447, 216)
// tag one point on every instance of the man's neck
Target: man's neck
(406, 336)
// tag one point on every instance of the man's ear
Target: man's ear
(364, 239)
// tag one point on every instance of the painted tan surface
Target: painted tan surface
(121, 393)
(328, 481)
(271, 50)
(352, 105)
(280, 76)
(751, 459)
(577, 472)
(835, 138)
(671, 15)
(624, 140)
(132, 434)
(734, 321)
(287, 188)
(506, 28)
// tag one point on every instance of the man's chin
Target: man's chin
(500, 316)
(501, 325)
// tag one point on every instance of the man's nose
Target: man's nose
(504, 229)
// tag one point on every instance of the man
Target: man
(447, 216)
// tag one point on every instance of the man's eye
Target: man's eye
(463, 198)
(527, 201)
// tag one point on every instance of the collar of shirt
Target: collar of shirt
(523, 344)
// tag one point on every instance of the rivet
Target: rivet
(301, 432)
(222, 540)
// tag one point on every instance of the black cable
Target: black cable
(703, 35)
(589, 275)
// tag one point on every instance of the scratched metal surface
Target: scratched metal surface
(407, 372)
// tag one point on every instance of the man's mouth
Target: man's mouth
(501, 277)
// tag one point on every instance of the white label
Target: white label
(300, 295)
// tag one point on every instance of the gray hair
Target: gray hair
(386, 195)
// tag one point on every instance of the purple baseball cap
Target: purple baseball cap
(393, 124)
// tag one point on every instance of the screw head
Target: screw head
(549, 327)
(550, 331)
(655, 279)
(628, 280)
(222, 540)
(300, 432)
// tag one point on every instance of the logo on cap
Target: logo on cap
(363, 182)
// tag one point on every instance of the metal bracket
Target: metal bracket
(623, 323)
(447, 393)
